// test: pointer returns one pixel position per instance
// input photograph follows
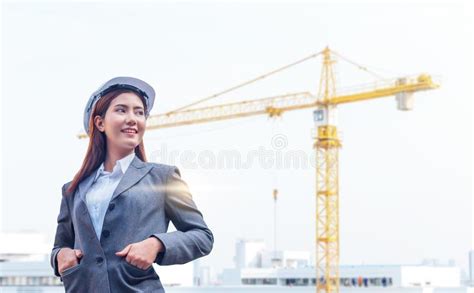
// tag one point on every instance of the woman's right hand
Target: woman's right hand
(67, 258)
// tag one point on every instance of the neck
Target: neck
(112, 157)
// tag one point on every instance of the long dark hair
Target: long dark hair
(97, 148)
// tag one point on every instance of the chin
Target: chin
(129, 146)
(132, 146)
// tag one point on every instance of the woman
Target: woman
(114, 214)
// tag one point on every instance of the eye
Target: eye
(140, 113)
(120, 109)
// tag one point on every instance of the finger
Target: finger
(69, 264)
(145, 266)
(139, 264)
(78, 253)
(124, 251)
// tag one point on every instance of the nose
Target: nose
(130, 119)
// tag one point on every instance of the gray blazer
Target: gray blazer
(146, 199)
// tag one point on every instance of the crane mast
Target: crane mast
(327, 146)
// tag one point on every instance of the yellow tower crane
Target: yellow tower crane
(327, 142)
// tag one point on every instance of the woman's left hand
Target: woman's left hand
(142, 254)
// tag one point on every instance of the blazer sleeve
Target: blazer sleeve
(64, 232)
(193, 239)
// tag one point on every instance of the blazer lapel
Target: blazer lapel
(85, 185)
(136, 171)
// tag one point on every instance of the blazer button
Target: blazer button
(106, 233)
(99, 259)
(111, 207)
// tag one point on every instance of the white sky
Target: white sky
(405, 177)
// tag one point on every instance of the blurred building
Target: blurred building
(26, 246)
(24, 263)
(471, 267)
(254, 265)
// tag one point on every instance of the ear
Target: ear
(99, 123)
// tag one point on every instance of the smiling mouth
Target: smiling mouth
(129, 132)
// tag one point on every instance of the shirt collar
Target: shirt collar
(122, 164)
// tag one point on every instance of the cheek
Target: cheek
(141, 134)
(113, 130)
(112, 122)
(141, 127)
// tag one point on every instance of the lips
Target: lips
(129, 131)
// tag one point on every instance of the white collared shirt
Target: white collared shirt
(103, 186)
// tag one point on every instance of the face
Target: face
(124, 123)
